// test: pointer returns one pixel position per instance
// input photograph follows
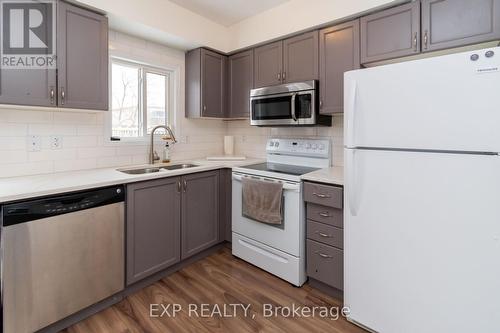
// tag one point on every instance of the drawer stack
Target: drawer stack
(325, 236)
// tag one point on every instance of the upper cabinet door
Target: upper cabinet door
(200, 212)
(213, 67)
(452, 23)
(29, 86)
(240, 83)
(82, 58)
(268, 64)
(300, 58)
(338, 53)
(391, 33)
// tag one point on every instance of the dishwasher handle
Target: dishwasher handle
(26, 211)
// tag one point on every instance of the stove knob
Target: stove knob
(308, 146)
(315, 146)
(277, 144)
(321, 146)
(271, 143)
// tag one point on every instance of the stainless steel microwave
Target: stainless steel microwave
(292, 104)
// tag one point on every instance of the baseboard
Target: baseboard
(329, 290)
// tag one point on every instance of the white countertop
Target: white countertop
(333, 175)
(18, 188)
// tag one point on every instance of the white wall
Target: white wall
(85, 144)
(297, 15)
(166, 22)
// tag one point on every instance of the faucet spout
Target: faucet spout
(151, 145)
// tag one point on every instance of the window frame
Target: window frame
(143, 70)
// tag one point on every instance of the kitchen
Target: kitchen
(193, 165)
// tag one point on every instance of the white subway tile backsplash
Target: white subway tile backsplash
(10, 129)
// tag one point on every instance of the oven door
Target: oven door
(287, 109)
(286, 237)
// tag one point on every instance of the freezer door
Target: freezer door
(443, 103)
(422, 241)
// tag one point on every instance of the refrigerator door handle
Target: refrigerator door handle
(351, 180)
(352, 92)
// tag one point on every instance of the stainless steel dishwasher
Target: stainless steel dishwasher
(59, 255)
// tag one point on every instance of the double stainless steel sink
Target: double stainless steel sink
(150, 169)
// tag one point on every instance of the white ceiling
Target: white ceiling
(228, 12)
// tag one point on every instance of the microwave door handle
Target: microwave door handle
(294, 116)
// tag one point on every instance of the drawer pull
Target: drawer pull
(324, 214)
(322, 234)
(319, 195)
(322, 255)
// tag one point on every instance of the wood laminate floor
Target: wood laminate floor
(218, 279)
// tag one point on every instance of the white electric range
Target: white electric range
(278, 249)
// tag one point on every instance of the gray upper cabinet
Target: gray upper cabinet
(82, 58)
(300, 58)
(240, 82)
(81, 79)
(338, 53)
(153, 227)
(268, 64)
(452, 23)
(200, 212)
(205, 84)
(35, 87)
(392, 33)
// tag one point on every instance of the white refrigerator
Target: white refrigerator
(422, 195)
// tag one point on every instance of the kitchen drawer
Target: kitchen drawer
(328, 215)
(325, 264)
(323, 194)
(326, 234)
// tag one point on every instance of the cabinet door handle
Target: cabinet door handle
(279, 77)
(185, 184)
(415, 42)
(319, 195)
(321, 104)
(179, 186)
(322, 255)
(426, 39)
(52, 95)
(324, 214)
(63, 96)
(283, 76)
(323, 234)
(204, 108)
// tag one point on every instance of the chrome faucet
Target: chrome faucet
(153, 155)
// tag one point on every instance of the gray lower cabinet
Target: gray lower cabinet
(338, 53)
(199, 213)
(153, 227)
(82, 58)
(300, 58)
(240, 82)
(325, 243)
(268, 64)
(452, 23)
(205, 84)
(391, 33)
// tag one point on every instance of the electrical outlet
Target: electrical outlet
(34, 143)
(56, 142)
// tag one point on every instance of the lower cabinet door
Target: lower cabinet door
(153, 227)
(325, 263)
(200, 212)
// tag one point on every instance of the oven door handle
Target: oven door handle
(294, 116)
(286, 186)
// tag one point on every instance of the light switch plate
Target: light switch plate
(34, 143)
(56, 142)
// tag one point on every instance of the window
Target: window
(140, 99)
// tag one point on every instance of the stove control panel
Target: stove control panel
(299, 147)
